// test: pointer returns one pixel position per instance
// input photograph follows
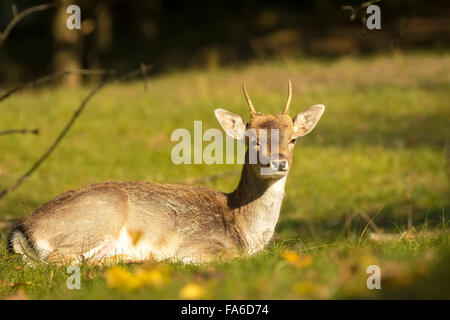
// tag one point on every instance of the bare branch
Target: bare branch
(66, 129)
(25, 206)
(370, 221)
(14, 10)
(21, 131)
(144, 74)
(54, 76)
(19, 16)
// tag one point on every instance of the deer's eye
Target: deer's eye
(293, 141)
(254, 143)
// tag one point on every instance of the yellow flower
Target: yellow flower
(156, 276)
(296, 260)
(119, 278)
(192, 291)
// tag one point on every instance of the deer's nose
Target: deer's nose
(280, 165)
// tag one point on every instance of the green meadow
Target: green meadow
(368, 186)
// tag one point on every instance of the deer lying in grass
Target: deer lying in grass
(145, 220)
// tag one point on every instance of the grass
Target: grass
(380, 149)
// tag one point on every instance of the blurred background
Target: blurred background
(120, 34)
(369, 185)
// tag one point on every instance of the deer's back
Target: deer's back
(168, 218)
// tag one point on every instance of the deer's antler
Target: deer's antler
(250, 105)
(288, 103)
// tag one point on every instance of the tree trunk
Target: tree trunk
(67, 54)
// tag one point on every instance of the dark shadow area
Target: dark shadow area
(170, 34)
(432, 284)
(430, 129)
(341, 224)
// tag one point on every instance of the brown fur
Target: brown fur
(165, 221)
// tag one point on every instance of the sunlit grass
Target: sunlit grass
(381, 146)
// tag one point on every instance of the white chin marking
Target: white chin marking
(273, 174)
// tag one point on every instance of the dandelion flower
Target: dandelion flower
(192, 291)
(297, 260)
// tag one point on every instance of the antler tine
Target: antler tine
(252, 109)
(288, 103)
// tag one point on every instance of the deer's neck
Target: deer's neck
(256, 205)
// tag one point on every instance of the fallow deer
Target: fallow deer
(146, 220)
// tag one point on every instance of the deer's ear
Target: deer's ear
(233, 124)
(306, 120)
